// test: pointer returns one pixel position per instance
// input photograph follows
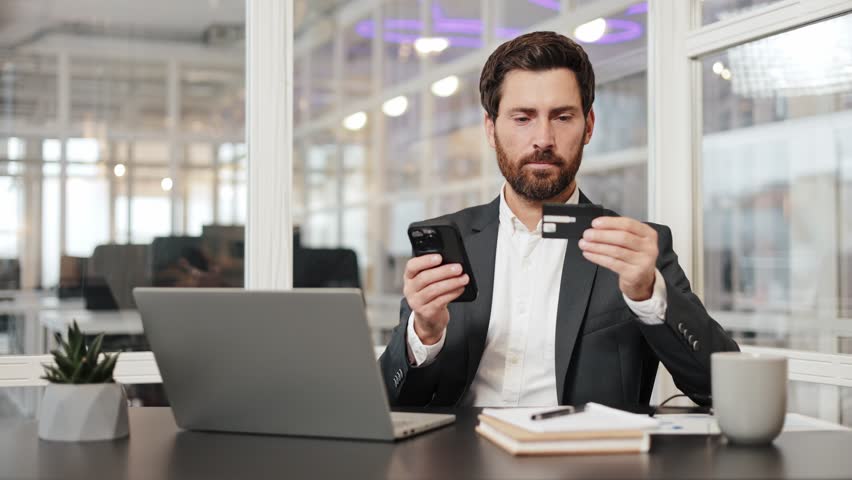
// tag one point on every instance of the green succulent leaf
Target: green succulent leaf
(64, 364)
(56, 376)
(75, 377)
(66, 346)
(78, 361)
(100, 372)
(109, 367)
(95, 348)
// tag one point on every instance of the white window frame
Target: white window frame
(677, 41)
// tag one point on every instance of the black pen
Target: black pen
(554, 413)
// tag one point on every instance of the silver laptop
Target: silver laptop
(296, 362)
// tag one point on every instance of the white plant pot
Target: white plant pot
(85, 412)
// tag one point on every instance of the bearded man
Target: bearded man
(555, 322)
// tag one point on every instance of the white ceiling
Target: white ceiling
(23, 20)
(142, 29)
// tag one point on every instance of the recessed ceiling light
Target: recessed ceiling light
(726, 74)
(396, 106)
(446, 86)
(356, 121)
(427, 45)
(591, 32)
(718, 67)
(119, 170)
(166, 184)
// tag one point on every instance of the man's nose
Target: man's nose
(543, 139)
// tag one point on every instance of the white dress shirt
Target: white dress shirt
(518, 366)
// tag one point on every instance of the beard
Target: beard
(538, 185)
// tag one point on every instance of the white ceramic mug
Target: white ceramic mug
(749, 395)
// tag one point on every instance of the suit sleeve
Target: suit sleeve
(406, 385)
(688, 335)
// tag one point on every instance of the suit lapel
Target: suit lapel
(578, 276)
(481, 248)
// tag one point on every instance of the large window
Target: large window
(719, 10)
(389, 126)
(614, 172)
(771, 122)
(122, 163)
(777, 187)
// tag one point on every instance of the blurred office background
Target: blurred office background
(123, 158)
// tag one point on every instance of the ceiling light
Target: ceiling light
(396, 106)
(591, 32)
(718, 67)
(356, 121)
(427, 45)
(166, 184)
(446, 86)
(119, 170)
(726, 74)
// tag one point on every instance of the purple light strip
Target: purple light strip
(637, 9)
(505, 32)
(399, 30)
(550, 4)
(443, 24)
(627, 30)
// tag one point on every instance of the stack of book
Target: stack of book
(596, 429)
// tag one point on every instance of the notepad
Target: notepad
(596, 430)
(593, 417)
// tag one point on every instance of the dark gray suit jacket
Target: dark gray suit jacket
(603, 352)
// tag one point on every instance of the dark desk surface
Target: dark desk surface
(157, 449)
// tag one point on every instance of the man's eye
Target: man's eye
(564, 118)
(522, 119)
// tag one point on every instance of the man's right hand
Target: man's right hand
(429, 287)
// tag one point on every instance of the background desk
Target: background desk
(157, 449)
(27, 306)
(122, 328)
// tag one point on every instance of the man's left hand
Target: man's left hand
(626, 246)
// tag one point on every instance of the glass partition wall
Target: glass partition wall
(388, 130)
(389, 126)
(122, 164)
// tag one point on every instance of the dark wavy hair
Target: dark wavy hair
(534, 52)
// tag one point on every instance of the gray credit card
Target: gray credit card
(568, 221)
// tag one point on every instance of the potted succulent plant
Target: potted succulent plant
(82, 402)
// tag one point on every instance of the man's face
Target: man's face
(540, 132)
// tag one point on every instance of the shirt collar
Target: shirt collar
(508, 217)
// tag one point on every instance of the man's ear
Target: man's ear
(590, 126)
(489, 131)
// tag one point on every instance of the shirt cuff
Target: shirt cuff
(420, 355)
(653, 310)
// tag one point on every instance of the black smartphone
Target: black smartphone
(444, 238)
